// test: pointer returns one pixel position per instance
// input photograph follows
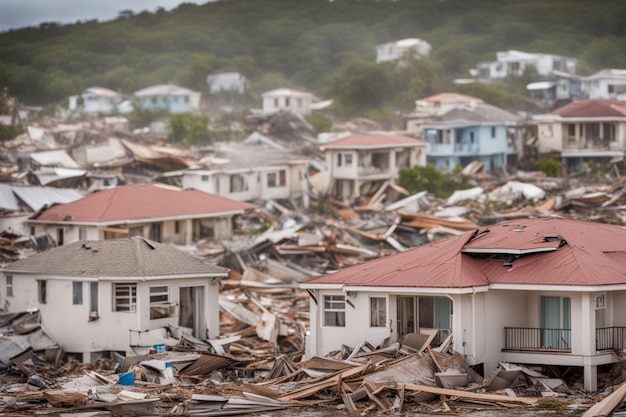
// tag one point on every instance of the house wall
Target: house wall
(64, 321)
(173, 103)
(15, 223)
(71, 233)
(206, 182)
(300, 104)
(549, 137)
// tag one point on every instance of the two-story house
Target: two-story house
(358, 164)
(429, 108)
(544, 291)
(171, 98)
(514, 63)
(584, 130)
(475, 132)
(161, 213)
(114, 295)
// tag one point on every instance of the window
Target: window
(155, 232)
(339, 161)
(287, 101)
(378, 311)
(205, 178)
(177, 226)
(42, 295)
(125, 297)
(493, 131)
(82, 233)
(159, 302)
(77, 293)
(334, 310)
(238, 183)
(93, 299)
(348, 158)
(60, 236)
(32, 230)
(9, 284)
(277, 179)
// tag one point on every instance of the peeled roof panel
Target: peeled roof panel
(7, 198)
(37, 197)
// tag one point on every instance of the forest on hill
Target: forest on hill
(326, 47)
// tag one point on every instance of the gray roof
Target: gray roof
(130, 257)
(480, 112)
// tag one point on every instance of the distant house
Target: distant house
(358, 164)
(98, 100)
(393, 51)
(171, 98)
(514, 63)
(536, 291)
(256, 168)
(226, 82)
(98, 296)
(584, 130)
(428, 108)
(477, 132)
(608, 83)
(286, 99)
(160, 213)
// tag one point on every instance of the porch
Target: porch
(559, 340)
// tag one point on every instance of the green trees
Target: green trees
(428, 178)
(189, 128)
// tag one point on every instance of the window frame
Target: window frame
(377, 311)
(332, 304)
(125, 297)
(8, 281)
(77, 293)
(159, 298)
(42, 291)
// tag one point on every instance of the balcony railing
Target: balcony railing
(538, 339)
(559, 340)
(610, 338)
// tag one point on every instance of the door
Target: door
(192, 311)
(556, 322)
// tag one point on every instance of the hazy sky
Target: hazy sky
(20, 13)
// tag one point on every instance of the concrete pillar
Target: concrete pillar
(591, 378)
(188, 231)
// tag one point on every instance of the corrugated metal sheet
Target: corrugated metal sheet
(57, 158)
(375, 140)
(7, 198)
(37, 197)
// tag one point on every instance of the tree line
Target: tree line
(326, 47)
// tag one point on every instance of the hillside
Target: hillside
(327, 47)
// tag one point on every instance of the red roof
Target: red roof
(593, 108)
(551, 252)
(372, 140)
(141, 202)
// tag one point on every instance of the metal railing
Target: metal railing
(537, 339)
(610, 338)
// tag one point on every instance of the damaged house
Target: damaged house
(583, 131)
(256, 168)
(162, 213)
(361, 163)
(546, 291)
(118, 295)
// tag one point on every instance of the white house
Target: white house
(98, 100)
(393, 51)
(162, 213)
(608, 83)
(513, 64)
(546, 291)
(171, 98)
(360, 163)
(426, 109)
(286, 99)
(227, 81)
(256, 168)
(97, 296)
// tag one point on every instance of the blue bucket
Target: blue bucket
(159, 347)
(127, 378)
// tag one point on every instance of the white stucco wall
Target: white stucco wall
(550, 137)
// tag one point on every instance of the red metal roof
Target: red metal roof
(140, 202)
(373, 140)
(591, 254)
(593, 108)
